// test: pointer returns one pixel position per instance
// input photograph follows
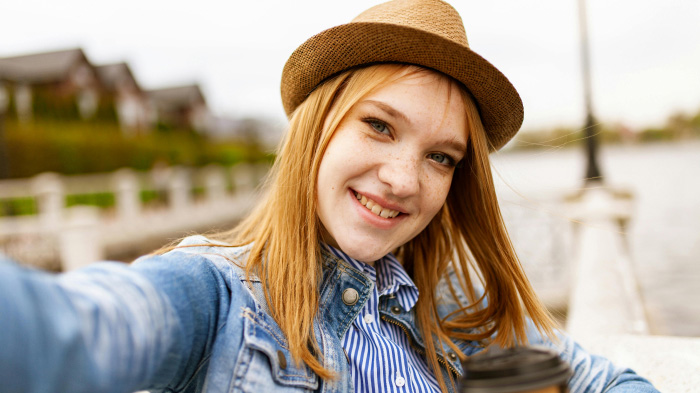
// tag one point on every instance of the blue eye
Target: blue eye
(441, 158)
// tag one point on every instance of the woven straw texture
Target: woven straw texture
(428, 33)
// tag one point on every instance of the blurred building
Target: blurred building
(66, 85)
(133, 107)
(61, 81)
(181, 107)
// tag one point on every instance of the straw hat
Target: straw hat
(428, 33)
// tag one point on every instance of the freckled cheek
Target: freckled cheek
(436, 192)
(362, 152)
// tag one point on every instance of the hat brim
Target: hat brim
(359, 43)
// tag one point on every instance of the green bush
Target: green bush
(74, 147)
(18, 206)
(101, 200)
(28, 205)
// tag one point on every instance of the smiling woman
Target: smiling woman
(402, 141)
(377, 259)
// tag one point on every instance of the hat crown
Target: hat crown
(426, 33)
(433, 16)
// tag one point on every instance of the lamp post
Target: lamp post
(4, 160)
(593, 173)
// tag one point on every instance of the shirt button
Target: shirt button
(400, 381)
(369, 318)
(350, 296)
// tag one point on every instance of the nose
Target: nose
(401, 174)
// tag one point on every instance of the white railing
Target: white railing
(78, 235)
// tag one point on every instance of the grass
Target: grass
(27, 206)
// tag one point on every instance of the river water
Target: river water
(663, 235)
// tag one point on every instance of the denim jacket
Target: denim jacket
(188, 321)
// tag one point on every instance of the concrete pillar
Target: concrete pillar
(214, 183)
(605, 298)
(127, 189)
(48, 189)
(160, 177)
(179, 189)
(79, 239)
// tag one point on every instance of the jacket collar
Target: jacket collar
(388, 275)
(339, 276)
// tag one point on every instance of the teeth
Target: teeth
(376, 208)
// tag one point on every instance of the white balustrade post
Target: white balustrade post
(128, 196)
(179, 193)
(215, 183)
(243, 175)
(605, 299)
(79, 240)
(48, 189)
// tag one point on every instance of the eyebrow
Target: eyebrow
(389, 110)
(457, 145)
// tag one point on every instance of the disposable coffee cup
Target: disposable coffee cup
(515, 370)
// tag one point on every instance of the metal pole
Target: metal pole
(4, 159)
(593, 173)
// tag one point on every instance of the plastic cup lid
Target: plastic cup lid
(513, 370)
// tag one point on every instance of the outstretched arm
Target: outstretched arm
(109, 327)
(592, 373)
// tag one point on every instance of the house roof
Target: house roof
(113, 74)
(40, 67)
(177, 96)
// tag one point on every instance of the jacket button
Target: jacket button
(350, 296)
(396, 310)
(452, 356)
(281, 359)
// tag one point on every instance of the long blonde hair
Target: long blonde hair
(468, 234)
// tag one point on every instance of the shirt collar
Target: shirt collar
(388, 275)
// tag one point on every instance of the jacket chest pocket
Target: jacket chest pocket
(264, 362)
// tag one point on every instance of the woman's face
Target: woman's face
(388, 168)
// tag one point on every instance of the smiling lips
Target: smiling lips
(375, 207)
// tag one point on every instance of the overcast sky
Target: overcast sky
(645, 53)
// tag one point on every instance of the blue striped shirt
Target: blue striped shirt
(380, 354)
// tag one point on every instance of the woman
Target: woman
(354, 273)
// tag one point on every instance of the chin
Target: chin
(366, 254)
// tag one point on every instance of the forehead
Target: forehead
(425, 99)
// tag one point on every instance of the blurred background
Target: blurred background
(187, 97)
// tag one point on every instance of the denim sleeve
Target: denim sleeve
(109, 327)
(592, 373)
